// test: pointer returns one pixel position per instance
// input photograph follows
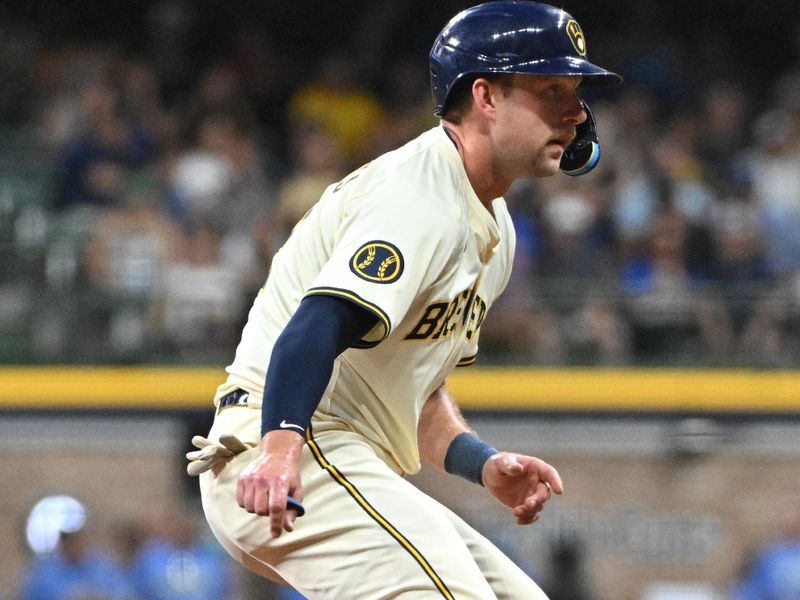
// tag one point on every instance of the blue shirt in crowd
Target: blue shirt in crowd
(53, 578)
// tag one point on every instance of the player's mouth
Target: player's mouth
(562, 141)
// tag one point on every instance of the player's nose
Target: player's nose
(575, 113)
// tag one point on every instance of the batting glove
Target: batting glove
(211, 454)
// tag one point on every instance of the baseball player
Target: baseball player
(338, 387)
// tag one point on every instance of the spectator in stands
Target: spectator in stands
(75, 571)
(200, 297)
(106, 150)
(317, 162)
(634, 193)
(176, 563)
(220, 175)
(336, 100)
(681, 179)
(221, 179)
(667, 313)
(131, 244)
(775, 171)
(127, 537)
(578, 262)
(124, 260)
(528, 329)
(725, 117)
(775, 570)
(747, 324)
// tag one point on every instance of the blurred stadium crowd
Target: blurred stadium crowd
(165, 557)
(154, 157)
(144, 187)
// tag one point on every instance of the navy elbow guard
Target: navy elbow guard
(583, 154)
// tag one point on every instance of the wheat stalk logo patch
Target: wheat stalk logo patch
(377, 261)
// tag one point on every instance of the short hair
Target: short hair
(459, 100)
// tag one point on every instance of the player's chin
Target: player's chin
(547, 168)
(549, 162)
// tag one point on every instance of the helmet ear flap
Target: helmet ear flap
(583, 154)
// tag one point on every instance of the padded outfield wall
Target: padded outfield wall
(671, 475)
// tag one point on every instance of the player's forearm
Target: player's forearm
(439, 423)
(302, 360)
(447, 443)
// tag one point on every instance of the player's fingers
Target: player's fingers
(240, 490)
(549, 475)
(542, 492)
(528, 519)
(510, 465)
(247, 501)
(534, 503)
(277, 511)
(288, 520)
(530, 506)
(261, 503)
(527, 511)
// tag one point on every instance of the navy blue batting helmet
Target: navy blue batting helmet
(510, 37)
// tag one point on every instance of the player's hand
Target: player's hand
(523, 483)
(267, 482)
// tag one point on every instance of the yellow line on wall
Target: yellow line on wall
(108, 387)
(475, 388)
(629, 389)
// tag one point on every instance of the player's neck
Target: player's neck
(478, 165)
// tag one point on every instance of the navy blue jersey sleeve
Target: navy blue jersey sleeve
(302, 359)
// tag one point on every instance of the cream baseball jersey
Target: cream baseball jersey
(406, 238)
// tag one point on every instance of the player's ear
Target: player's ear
(484, 96)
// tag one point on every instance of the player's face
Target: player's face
(536, 120)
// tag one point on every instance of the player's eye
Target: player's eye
(554, 91)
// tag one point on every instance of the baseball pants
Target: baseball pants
(368, 534)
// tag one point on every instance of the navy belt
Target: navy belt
(237, 397)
